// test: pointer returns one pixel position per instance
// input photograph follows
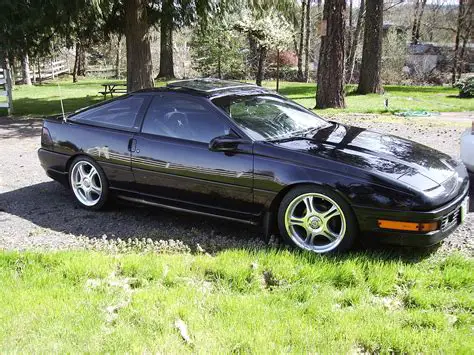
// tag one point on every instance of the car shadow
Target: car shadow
(50, 206)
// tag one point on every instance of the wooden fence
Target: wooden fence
(104, 71)
(49, 70)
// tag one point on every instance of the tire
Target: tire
(88, 183)
(329, 227)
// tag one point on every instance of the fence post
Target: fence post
(6, 89)
(6, 84)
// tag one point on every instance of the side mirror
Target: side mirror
(226, 143)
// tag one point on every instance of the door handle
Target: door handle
(132, 145)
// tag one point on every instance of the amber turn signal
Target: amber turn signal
(408, 226)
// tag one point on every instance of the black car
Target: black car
(241, 152)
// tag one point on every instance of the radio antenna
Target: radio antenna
(61, 99)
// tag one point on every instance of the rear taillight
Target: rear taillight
(46, 140)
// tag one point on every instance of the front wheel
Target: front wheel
(317, 219)
(88, 183)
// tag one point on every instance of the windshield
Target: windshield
(270, 118)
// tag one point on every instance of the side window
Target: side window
(119, 113)
(183, 118)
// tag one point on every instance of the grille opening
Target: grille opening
(450, 220)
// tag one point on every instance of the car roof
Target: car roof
(210, 87)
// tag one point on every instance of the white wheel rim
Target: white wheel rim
(86, 183)
(315, 222)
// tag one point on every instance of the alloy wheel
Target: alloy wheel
(86, 183)
(315, 222)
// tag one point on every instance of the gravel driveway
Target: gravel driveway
(36, 212)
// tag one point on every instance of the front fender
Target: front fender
(272, 177)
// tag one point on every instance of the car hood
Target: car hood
(407, 161)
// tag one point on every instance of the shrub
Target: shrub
(466, 87)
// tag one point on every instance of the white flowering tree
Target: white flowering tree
(269, 31)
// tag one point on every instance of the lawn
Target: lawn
(44, 99)
(400, 99)
(236, 301)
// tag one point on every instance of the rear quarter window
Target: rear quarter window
(121, 113)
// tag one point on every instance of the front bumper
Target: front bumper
(448, 216)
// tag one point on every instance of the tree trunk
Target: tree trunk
(418, 23)
(83, 61)
(166, 42)
(139, 64)
(415, 20)
(261, 65)
(34, 72)
(461, 58)
(300, 74)
(40, 79)
(51, 62)
(219, 66)
(415, 30)
(463, 32)
(278, 71)
(349, 35)
(465, 39)
(76, 63)
(306, 42)
(25, 70)
(78, 58)
(457, 40)
(370, 81)
(252, 59)
(295, 43)
(330, 89)
(117, 57)
(355, 41)
(219, 60)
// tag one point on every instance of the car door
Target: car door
(172, 160)
(105, 132)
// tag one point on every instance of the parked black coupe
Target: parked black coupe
(241, 152)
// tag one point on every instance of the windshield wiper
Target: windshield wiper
(287, 139)
(312, 131)
(298, 135)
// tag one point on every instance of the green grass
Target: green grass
(43, 99)
(80, 301)
(400, 98)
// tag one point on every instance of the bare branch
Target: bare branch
(393, 5)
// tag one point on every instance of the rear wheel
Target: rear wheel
(317, 219)
(88, 183)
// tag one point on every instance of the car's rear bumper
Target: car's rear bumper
(448, 217)
(54, 164)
